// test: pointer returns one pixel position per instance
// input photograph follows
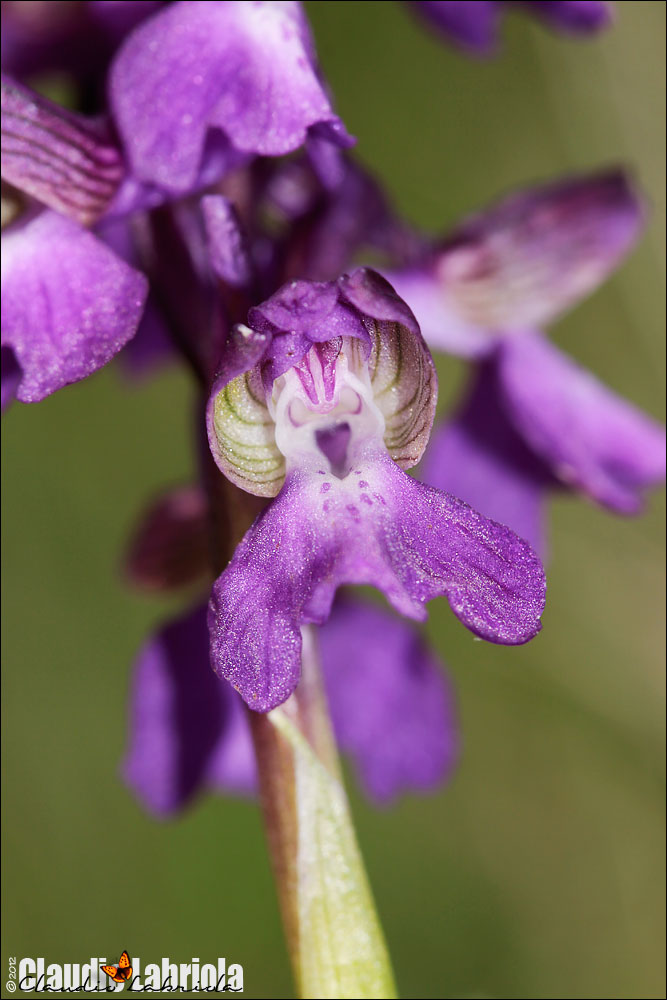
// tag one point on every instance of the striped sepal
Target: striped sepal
(55, 156)
(405, 389)
(245, 440)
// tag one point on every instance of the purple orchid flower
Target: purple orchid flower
(324, 399)
(391, 707)
(69, 304)
(533, 420)
(229, 80)
(475, 26)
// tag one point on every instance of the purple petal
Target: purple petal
(298, 315)
(572, 16)
(303, 313)
(226, 241)
(326, 159)
(245, 68)
(474, 26)
(59, 158)
(68, 303)
(391, 707)
(442, 325)
(187, 728)
(372, 295)
(377, 526)
(525, 261)
(480, 457)
(591, 438)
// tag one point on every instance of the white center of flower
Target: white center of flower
(324, 410)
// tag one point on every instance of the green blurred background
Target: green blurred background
(538, 871)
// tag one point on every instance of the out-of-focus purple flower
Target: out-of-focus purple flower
(333, 397)
(391, 706)
(482, 294)
(77, 39)
(523, 262)
(68, 302)
(244, 70)
(170, 545)
(475, 26)
(187, 727)
(593, 440)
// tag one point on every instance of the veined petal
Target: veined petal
(187, 729)
(57, 157)
(391, 705)
(377, 526)
(68, 303)
(245, 68)
(538, 252)
(481, 458)
(405, 390)
(592, 439)
(442, 325)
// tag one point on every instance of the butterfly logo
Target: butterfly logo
(119, 973)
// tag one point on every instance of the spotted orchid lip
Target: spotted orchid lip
(339, 401)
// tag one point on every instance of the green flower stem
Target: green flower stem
(333, 933)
